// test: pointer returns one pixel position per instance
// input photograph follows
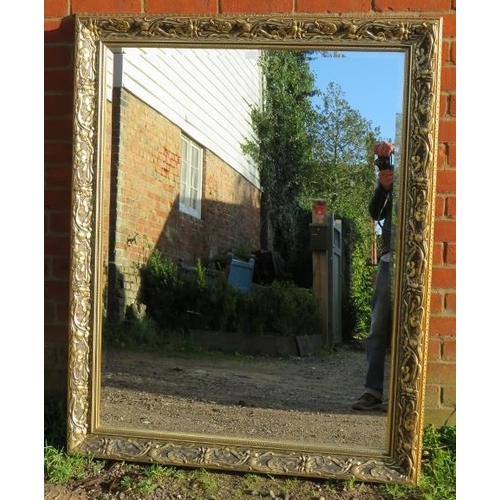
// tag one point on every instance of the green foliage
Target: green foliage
(437, 482)
(172, 298)
(142, 480)
(283, 309)
(207, 481)
(225, 304)
(138, 481)
(252, 481)
(200, 277)
(344, 177)
(343, 145)
(438, 479)
(439, 463)
(134, 331)
(361, 289)
(283, 149)
(306, 151)
(194, 303)
(60, 468)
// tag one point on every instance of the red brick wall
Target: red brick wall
(59, 29)
(147, 181)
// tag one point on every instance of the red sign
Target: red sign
(320, 209)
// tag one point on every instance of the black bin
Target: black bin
(319, 237)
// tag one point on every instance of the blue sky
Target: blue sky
(372, 83)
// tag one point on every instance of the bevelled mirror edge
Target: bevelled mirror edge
(421, 38)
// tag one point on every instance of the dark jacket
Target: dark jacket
(380, 208)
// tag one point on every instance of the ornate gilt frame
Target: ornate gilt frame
(420, 39)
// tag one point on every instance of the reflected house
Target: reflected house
(179, 182)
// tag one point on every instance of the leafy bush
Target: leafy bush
(171, 298)
(177, 300)
(283, 309)
(361, 293)
(133, 331)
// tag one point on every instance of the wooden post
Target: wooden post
(320, 267)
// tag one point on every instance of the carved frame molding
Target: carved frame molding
(421, 40)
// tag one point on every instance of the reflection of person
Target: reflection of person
(380, 208)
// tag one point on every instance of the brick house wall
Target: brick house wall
(59, 49)
(145, 184)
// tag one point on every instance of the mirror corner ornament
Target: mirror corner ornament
(423, 38)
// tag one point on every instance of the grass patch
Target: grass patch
(60, 468)
(252, 482)
(209, 483)
(140, 480)
(437, 482)
(438, 478)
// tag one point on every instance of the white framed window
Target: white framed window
(191, 177)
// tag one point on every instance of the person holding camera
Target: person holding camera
(380, 208)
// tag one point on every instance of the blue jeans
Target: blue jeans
(380, 330)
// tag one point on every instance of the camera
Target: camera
(384, 163)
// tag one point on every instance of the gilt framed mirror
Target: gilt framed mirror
(156, 97)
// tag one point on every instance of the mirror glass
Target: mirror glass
(216, 313)
(166, 105)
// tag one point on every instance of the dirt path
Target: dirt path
(280, 399)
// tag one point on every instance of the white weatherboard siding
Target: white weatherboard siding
(208, 93)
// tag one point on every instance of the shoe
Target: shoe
(367, 402)
(384, 405)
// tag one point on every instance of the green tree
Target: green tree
(283, 150)
(311, 144)
(344, 176)
(343, 142)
